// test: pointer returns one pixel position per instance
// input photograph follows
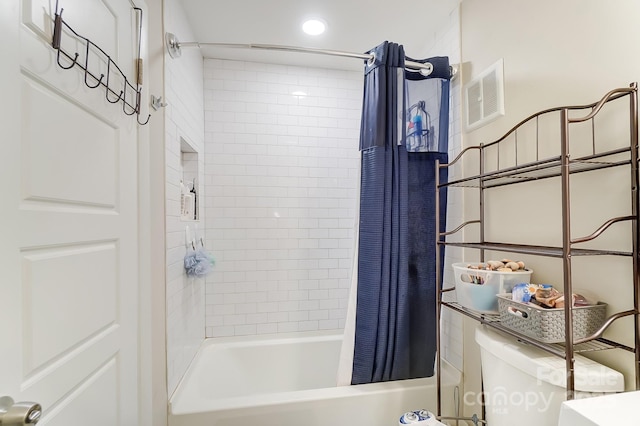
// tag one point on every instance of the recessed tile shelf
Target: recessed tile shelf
(189, 203)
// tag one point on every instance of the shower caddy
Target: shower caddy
(561, 166)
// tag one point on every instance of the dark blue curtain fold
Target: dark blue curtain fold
(395, 312)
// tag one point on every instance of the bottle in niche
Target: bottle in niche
(195, 200)
(183, 189)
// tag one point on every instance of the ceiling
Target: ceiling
(352, 26)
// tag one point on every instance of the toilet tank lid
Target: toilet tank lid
(590, 376)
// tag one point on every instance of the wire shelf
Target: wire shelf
(539, 170)
(493, 321)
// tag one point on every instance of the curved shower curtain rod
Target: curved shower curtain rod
(174, 47)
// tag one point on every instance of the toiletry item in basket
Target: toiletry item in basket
(547, 296)
(578, 300)
(419, 417)
(523, 292)
(544, 291)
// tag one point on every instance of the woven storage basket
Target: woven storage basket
(547, 325)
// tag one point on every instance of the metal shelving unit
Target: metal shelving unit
(561, 167)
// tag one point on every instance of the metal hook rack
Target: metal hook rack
(129, 93)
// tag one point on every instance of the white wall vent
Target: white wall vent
(484, 97)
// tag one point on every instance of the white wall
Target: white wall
(557, 53)
(282, 166)
(154, 372)
(184, 119)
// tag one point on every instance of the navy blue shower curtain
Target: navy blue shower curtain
(395, 311)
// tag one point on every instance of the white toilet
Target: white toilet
(525, 386)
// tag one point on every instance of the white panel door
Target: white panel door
(68, 215)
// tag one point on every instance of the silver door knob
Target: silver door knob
(18, 413)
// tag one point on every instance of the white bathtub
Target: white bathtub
(291, 381)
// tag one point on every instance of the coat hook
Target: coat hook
(156, 103)
(73, 61)
(138, 96)
(109, 89)
(96, 85)
(142, 124)
(116, 100)
(86, 70)
(124, 101)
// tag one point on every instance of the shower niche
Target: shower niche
(189, 202)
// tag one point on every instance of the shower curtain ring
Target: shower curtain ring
(427, 70)
(372, 60)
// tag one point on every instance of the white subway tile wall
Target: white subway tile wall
(184, 120)
(282, 167)
(271, 177)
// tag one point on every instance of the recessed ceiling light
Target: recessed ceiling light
(314, 26)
